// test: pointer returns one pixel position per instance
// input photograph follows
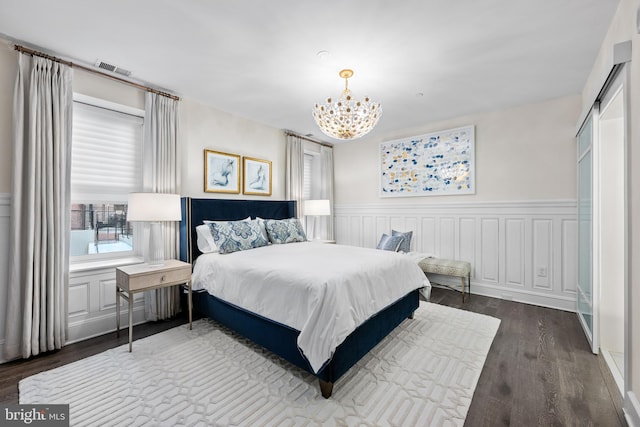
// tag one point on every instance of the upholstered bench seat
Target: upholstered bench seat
(449, 267)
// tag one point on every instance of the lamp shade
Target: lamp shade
(316, 207)
(154, 207)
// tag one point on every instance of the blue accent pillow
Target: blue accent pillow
(405, 246)
(285, 230)
(390, 243)
(233, 236)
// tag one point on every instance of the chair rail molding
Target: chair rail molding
(526, 251)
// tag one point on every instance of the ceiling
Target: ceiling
(259, 59)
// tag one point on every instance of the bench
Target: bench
(449, 267)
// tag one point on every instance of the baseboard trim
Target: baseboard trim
(632, 410)
(525, 296)
(100, 325)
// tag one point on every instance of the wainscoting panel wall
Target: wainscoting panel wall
(524, 251)
(92, 304)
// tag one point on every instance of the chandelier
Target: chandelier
(345, 117)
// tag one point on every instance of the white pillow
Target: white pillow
(263, 228)
(205, 241)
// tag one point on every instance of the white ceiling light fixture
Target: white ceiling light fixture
(347, 118)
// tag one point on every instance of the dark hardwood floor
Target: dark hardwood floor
(539, 371)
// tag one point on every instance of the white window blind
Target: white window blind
(106, 154)
(308, 173)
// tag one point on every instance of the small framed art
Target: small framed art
(257, 176)
(221, 172)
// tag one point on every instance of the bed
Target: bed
(288, 336)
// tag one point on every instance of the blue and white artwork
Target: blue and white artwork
(439, 163)
(257, 176)
(221, 172)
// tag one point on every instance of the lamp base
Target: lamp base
(155, 255)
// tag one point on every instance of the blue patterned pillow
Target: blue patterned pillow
(285, 230)
(390, 243)
(233, 236)
(405, 246)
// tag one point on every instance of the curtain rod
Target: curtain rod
(289, 133)
(91, 70)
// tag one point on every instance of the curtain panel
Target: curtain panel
(161, 175)
(294, 179)
(40, 220)
(326, 188)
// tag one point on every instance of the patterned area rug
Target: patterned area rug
(423, 374)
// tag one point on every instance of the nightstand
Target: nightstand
(132, 279)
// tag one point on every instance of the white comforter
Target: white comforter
(324, 291)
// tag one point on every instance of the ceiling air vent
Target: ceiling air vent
(106, 66)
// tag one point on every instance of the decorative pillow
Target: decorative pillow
(390, 243)
(233, 236)
(205, 241)
(405, 246)
(285, 230)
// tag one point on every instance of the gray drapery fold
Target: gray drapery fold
(294, 178)
(40, 220)
(162, 176)
(326, 188)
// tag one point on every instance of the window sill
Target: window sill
(79, 267)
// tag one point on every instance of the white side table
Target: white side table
(132, 279)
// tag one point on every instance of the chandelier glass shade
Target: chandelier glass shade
(346, 117)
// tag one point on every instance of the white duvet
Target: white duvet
(324, 291)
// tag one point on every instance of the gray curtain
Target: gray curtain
(294, 179)
(39, 235)
(326, 188)
(161, 175)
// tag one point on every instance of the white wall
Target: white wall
(203, 127)
(624, 27)
(518, 230)
(523, 153)
(8, 69)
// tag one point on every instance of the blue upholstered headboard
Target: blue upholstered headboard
(196, 210)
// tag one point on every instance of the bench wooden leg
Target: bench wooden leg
(464, 285)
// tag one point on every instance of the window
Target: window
(308, 165)
(312, 176)
(106, 165)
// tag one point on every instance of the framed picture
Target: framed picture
(257, 176)
(435, 164)
(221, 172)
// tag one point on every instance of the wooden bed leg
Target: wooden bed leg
(412, 314)
(326, 389)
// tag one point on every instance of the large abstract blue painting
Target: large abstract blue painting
(439, 163)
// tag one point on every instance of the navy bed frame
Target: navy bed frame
(277, 338)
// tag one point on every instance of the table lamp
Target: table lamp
(154, 208)
(316, 208)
